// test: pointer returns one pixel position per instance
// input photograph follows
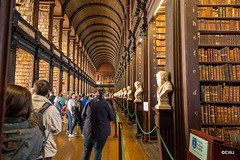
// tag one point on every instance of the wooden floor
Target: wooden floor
(72, 148)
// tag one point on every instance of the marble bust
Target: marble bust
(129, 93)
(164, 87)
(120, 93)
(124, 93)
(138, 92)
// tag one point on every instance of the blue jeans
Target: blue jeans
(70, 119)
(98, 147)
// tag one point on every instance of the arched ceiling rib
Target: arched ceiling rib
(102, 46)
(99, 25)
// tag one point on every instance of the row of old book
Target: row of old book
(224, 54)
(218, 12)
(222, 25)
(223, 72)
(220, 114)
(220, 93)
(214, 2)
(230, 135)
(209, 39)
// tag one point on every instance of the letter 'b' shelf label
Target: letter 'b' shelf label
(198, 147)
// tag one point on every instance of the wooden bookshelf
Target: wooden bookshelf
(56, 31)
(219, 5)
(219, 32)
(219, 67)
(64, 42)
(64, 84)
(43, 20)
(25, 8)
(161, 41)
(75, 55)
(220, 124)
(71, 84)
(222, 103)
(220, 18)
(219, 82)
(56, 78)
(24, 69)
(217, 46)
(71, 50)
(44, 70)
(76, 85)
(218, 63)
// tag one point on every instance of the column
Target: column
(50, 30)
(5, 41)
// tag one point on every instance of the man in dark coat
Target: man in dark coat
(52, 97)
(97, 115)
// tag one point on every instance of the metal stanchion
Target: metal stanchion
(120, 124)
(115, 136)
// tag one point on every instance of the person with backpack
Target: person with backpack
(51, 117)
(77, 110)
(20, 137)
(52, 97)
(97, 115)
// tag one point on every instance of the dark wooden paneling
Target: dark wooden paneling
(152, 83)
(5, 40)
(190, 81)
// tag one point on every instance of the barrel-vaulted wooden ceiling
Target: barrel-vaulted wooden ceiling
(99, 25)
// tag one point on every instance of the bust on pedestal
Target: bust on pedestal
(124, 93)
(138, 92)
(139, 106)
(130, 104)
(164, 87)
(129, 93)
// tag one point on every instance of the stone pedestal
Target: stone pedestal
(164, 121)
(131, 110)
(139, 111)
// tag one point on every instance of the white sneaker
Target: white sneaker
(67, 132)
(74, 133)
(71, 135)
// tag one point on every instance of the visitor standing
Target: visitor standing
(20, 138)
(58, 105)
(77, 109)
(52, 97)
(51, 117)
(70, 104)
(97, 115)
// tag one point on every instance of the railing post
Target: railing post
(115, 136)
(119, 140)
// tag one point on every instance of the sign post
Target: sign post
(198, 147)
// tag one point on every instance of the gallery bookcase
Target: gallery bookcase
(219, 68)
(34, 57)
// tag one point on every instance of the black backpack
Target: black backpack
(37, 119)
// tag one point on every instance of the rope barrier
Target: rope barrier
(155, 128)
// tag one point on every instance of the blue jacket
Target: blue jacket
(84, 100)
(21, 140)
(97, 114)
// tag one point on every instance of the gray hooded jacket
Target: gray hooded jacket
(51, 121)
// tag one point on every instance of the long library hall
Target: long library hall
(120, 79)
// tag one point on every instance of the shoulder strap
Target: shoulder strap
(44, 107)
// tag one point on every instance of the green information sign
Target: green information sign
(198, 147)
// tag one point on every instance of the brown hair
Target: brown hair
(19, 101)
(41, 87)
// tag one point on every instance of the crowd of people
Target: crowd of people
(33, 116)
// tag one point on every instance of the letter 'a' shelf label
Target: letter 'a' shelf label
(198, 147)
